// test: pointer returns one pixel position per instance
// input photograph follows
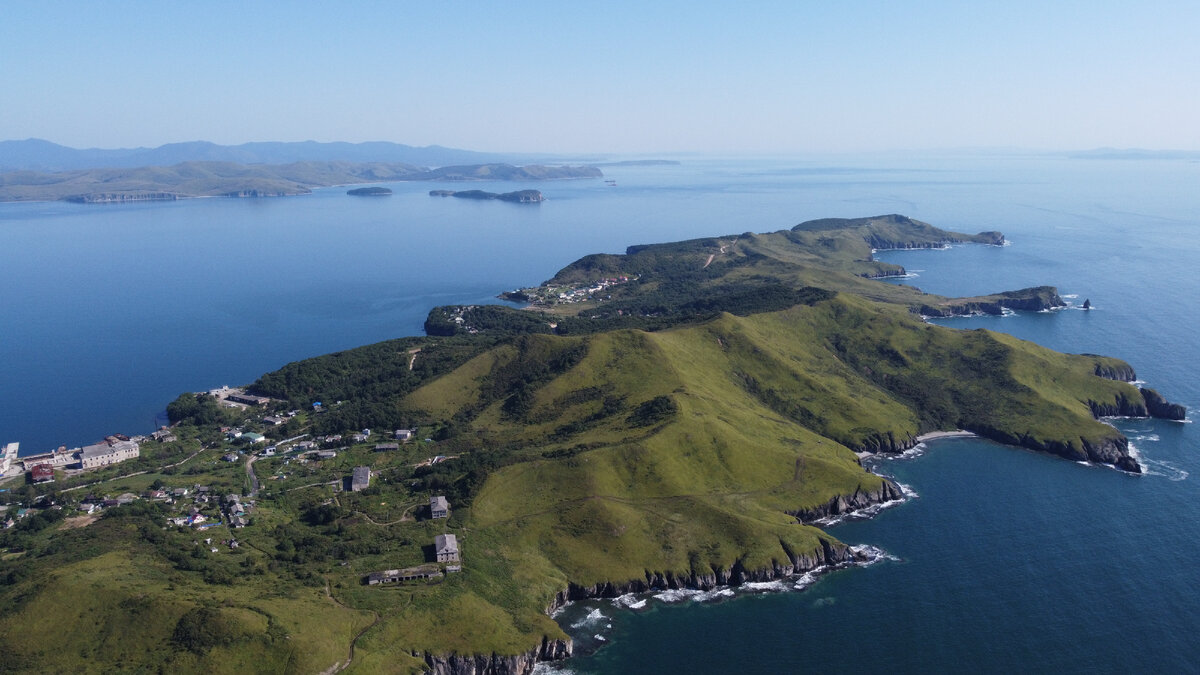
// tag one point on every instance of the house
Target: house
(387, 447)
(163, 436)
(305, 446)
(273, 420)
(439, 507)
(252, 437)
(360, 479)
(445, 546)
(404, 434)
(42, 473)
(327, 454)
(108, 452)
(230, 457)
(179, 492)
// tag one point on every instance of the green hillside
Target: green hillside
(584, 453)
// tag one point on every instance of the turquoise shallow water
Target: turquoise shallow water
(1007, 560)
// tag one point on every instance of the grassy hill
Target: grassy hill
(691, 446)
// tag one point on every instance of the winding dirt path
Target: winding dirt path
(339, 666)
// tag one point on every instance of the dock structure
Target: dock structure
(8, 457)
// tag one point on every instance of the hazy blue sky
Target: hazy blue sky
(606, 76)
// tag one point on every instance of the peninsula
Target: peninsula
(681, 415)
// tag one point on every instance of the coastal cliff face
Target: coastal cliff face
(494, 664)
(887, 442)
(830, 553)
(1113, 450)
(1159, 407)
(1121, 373)
(843, 504)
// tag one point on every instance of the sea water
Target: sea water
(1007, 559)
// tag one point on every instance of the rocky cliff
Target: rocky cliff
(1121, 372)
(830, 553)
(1159, 407)
(858, 500)
(495, 664)
(1113, 450)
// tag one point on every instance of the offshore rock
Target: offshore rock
(1159, 407)
(495, 664)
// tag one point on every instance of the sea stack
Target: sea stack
(1087, 303)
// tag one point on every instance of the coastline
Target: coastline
(931, 436)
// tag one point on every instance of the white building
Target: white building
(103, 454)
(446, 547)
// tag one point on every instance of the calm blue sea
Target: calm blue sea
(1006, 561)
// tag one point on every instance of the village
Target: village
(240, 474)
(550, 295)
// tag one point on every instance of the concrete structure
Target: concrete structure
(253, 437)
(360, 479)
(248, 399)
(408, 574)
(103, 454)
(59, 457)
(8, 457)
(439, 507)
(446, 547)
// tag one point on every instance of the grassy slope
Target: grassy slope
(111, 604)
(708, 488)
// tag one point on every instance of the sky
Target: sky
(607, 77)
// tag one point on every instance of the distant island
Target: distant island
(683, 415)
(369, 192)
(519, 196)
(228, 179)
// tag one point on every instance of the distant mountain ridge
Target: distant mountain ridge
(40, 155)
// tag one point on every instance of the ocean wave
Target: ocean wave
(1070, 296)
(1145, 437)
(595, 616)
(1164, 469)
(548, 668)
(600, 637)
(764, 586)
(629, 601)
(677, 595)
